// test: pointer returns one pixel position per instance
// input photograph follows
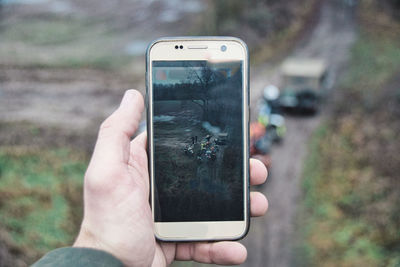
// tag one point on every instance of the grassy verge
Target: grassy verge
(40, 198)
(350, 213)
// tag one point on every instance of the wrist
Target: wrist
(86, 239)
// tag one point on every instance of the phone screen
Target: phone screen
(198, 141)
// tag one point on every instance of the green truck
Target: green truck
(303, 84)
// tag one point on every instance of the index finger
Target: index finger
(258, 172)
(223, 253)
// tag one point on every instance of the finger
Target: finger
(224, 253)
(258, 204)
(258, 172)
(139, 141)
(138, 159)
(168, 249)
(115, 132)
(138, 153)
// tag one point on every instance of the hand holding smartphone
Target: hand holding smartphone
(197, 99)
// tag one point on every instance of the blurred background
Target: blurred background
(325, 111)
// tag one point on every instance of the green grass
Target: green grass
(40, 196)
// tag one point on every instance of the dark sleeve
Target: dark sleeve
(63, 257)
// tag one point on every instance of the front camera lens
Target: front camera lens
(223, 48)
(176, 47)
(181, 47)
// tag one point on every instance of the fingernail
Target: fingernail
(128, 98)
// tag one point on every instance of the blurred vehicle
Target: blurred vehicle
(260, 144)
(304, 83)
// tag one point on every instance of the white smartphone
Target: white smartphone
(197, 122)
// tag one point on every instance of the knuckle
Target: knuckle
(99, 181)
(93, 185)
(93, 182)
(108, 127)
(107, 124)
(116, 123)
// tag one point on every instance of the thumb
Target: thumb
(113, 141)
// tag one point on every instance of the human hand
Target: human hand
(117, 214)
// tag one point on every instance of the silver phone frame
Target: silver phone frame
(246, 121)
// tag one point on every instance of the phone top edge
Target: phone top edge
(197, 38)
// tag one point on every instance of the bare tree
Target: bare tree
(206, 78)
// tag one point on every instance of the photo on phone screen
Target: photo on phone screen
(198, 140)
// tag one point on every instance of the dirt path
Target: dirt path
(271, 238)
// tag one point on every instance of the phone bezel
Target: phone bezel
(164, 49)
